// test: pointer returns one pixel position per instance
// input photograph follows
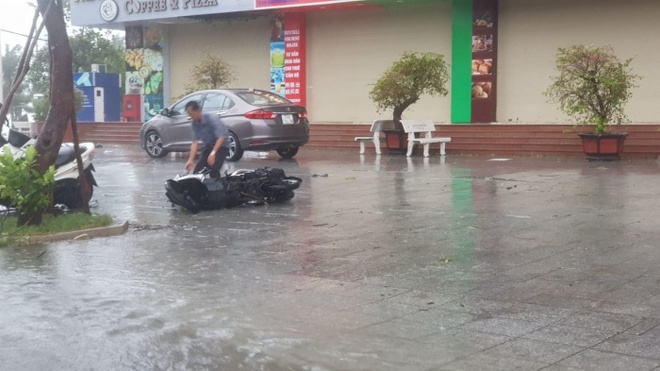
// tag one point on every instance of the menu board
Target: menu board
(287, 57)
(484, 61)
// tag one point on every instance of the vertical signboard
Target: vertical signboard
(287, 57)
(484, 61)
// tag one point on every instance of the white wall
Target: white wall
(346, 50)
(349, 50)
(531, 31)
(244, 44)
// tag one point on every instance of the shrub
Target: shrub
(593, 85)
(413, 75)
(23, 187)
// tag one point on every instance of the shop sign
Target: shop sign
(110, 10)
(97, 12)
(265, 4)
(148, 6)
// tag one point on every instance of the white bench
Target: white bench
(376, 129)
(414, 127)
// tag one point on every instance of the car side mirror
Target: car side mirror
(165, 112)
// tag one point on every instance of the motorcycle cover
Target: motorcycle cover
(197, 192)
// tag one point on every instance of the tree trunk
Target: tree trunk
(82, 177)
(61, 85)
(398, 111)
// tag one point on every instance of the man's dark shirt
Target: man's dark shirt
(208, 130)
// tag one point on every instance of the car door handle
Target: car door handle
(220, 113)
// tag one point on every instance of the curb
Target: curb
(85, 234)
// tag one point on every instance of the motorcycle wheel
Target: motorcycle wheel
(68, 193)
(287, 152)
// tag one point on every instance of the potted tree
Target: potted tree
(402, 84)
(593, 87)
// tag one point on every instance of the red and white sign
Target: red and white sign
(294, 58)
(270, 4)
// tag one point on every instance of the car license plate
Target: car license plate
(287, 119)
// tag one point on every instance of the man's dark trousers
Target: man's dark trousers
(202, 162)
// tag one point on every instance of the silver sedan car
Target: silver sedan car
(257, 120)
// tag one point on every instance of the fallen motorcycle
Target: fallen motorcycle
(200, 191)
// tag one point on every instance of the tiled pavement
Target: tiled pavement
(388, 263)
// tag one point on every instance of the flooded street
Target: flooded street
(387, 263)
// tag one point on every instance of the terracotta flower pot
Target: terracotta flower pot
(396, 141)
(603, 146)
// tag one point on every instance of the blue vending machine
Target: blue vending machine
(101, 96)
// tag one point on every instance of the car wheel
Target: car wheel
(153, 144)
(287, 152)
(235, 150)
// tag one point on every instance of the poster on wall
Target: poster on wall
(144, 67)
(484, 61)
(287, 57)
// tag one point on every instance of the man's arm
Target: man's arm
(216, 147)
(218, 144)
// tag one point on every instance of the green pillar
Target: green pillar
(461, 59)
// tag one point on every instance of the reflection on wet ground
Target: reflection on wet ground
(377, 263)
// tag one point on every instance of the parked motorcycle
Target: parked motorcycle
(200, 191)
(67, 186)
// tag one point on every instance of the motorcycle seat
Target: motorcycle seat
(65, 155)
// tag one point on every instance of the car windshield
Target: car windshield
(261, 98)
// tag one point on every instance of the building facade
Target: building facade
(326, 54)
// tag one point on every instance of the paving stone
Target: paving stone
(440, 319)
(541, 314)
(583, 337)
(516, 291)
(637, 291)
(399, 327)
(534, 350)
(567, 302)
(476, 305)
(460, 341)
(599, 320)
(644, 326)
(423, 300)
(503, 326)
(492, 363)
(595, 360)
(646, 345)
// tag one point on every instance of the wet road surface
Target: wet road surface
(377, 264)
